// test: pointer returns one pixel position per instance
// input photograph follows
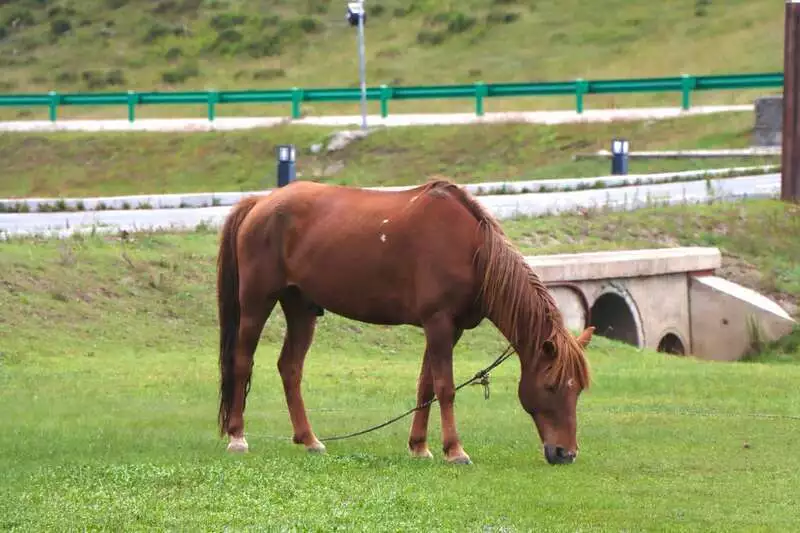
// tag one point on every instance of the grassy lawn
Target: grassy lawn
(108, 373)
(67, 164)
(115, 45)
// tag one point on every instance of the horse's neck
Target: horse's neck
(524, 318)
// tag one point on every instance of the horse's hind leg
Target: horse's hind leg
(301, 319)
(418, 436)
(254, 314)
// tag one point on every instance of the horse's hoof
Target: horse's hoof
(460, 460)
(238, 445)
(422, 454)
(317, 447)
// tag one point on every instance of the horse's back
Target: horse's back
(376, 255)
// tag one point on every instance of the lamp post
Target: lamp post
(356, 16)
(619, 157)
(286, 170)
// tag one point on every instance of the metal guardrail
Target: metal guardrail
(685, 85)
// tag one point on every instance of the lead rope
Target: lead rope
(481, 377)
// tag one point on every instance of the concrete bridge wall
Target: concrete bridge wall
(663, 299)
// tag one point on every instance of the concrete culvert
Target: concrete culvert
(671, 344)
(613, 318)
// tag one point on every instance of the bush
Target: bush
(460, 23)
(19, 18)
(180, 74)
(375, 10)
(310, 25)
(226, 21)
(502, 17)
(173, 53)
(430, 38)
(265, 46)
(59, 27)
(115, 77)
(101, 79)
(269, 74)
(318, 6)
(66, 77)
(158, 30)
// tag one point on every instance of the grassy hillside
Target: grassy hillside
(63, 164)
(97, 45)
(108, 373)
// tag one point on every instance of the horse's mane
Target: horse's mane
(516, 299)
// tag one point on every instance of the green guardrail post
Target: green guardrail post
(386, 95)
(213, 99)
(133, 99)
(581, 88)
(481, 92)
(53, 105)
(297, 98)
(688, 83)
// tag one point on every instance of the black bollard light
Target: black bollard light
(286, 170)
(619, 157)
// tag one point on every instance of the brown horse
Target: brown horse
(430, 256)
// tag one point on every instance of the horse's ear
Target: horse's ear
(586, 336)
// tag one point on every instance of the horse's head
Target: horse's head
(548, 390)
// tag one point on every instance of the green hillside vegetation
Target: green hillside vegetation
(113, 45)
(91, 164)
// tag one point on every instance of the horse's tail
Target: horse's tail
(228, 304)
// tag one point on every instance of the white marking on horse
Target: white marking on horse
(385, 221)
(383, 237)
(570, 383)
(414, 198)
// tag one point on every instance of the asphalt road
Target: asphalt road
(502, 206)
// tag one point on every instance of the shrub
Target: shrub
(269, 74)
(460, 23)
(502, 17)
(310, 25)
(180, 74)
(59, 27)
(115, 77)
(376, 10)
(226, 21)
(264, 46)
(430, 38)
(173, 53)
(66, 77)
(19, 18)
(318, 6)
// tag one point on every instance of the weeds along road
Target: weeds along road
(502, 206)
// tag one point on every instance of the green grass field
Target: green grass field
(115, 45)
(108, 374)
(67, 164)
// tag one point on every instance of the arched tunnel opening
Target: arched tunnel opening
(613, 318)
(671, 344)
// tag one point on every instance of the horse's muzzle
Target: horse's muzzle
(556, 455)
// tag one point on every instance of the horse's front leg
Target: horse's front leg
(440, 334)
(418, 436)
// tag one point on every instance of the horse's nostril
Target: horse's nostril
(563, 453)
(558, 455)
